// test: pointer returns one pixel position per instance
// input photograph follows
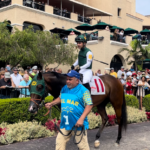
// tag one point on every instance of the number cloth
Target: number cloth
(73, 102)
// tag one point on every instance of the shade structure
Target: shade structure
(130, 31)
(135, 37)
(9, 27)
(115, 27)
(57, 30)
(72, 30)
(85, 27)
(145, 32)
(101, 25)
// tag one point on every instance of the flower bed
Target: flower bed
(23, 131)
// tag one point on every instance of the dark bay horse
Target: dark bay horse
(114, 94)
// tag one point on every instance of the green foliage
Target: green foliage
(23, 131)
(132, 101)
(27, 47)
(13, 110)
(146, 102)
(136, 54)
(134, 116)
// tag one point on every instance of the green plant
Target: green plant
(132, 101)
(13, 110)
(23, 131)
(134, 116)
(146, 102)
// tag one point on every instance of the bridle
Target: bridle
(42, 102)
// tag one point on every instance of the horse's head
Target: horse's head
(37, 91)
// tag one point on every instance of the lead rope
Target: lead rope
(75, 131)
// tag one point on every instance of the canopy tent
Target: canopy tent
(71, 30)
(57, 30)
(115, 27)
(85, 27)
(135, 37)
(130, 31)
(145, 32)
(101, 25)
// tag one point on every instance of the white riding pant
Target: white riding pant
(87, 75)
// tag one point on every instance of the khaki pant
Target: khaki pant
(61, 140)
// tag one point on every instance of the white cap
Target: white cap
(122, 67)
(34, 68)
(7, 75)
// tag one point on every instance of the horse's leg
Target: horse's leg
(118, 115)
(102, 112)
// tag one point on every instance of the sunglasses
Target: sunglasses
(2, 74)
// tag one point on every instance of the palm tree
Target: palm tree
(136, 54)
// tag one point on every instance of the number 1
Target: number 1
(67, 122)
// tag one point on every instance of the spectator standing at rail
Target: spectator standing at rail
(24, 84)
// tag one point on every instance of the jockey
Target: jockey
(85, 58)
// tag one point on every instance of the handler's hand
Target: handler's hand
(79, 123)
(48, 105)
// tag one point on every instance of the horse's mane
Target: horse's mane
(56, 74)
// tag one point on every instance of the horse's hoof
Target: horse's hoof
(97, 144)
(116, 144)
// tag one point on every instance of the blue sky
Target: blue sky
(143, 7)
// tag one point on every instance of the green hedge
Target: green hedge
(131, 101)
(146, 102)
(13, 110)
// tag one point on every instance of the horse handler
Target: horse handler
(76, 104)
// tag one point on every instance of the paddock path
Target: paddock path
(137, 137)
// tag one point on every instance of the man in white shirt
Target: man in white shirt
(16, 77)
(120, 72)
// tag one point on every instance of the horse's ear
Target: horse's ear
(40, 75)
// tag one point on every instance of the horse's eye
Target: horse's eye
(39, 88)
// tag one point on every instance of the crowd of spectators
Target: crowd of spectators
(33, 4)
(134, 83)
(118, 36)
(63, 12)
(15, 82)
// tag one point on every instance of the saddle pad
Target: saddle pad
(97, 86)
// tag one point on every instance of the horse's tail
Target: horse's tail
(124, 113)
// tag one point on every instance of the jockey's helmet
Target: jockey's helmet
(81, 38)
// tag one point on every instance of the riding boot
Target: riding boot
(87, 85)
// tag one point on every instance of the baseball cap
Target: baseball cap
(7, 75)
(34, 68)
(15, 68)
(122, 67)
(73, 73)
(111, 68)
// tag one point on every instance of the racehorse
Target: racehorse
(114, 94)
